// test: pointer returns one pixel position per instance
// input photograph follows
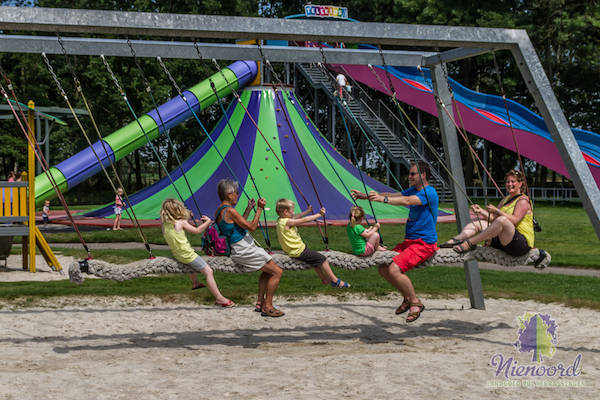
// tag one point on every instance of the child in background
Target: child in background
(292, 243)
(118, 209)
(46, 212)
(174, 218)
(364, 241)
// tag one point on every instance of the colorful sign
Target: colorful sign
(326, 11)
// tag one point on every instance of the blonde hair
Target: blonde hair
(356, 215)
(282, 205)
(173, 210)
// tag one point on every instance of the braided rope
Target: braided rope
(163, 265)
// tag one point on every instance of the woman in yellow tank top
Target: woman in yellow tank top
(509, 225)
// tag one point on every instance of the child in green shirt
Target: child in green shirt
(364, 241)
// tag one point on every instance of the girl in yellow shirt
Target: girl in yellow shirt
(174, 218)
(509, 226)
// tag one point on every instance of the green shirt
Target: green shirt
(358, 242)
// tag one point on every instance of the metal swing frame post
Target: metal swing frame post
(454, 163)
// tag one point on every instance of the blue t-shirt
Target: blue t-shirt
(422, 219)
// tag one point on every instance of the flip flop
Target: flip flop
(227, 304)
(200, 286)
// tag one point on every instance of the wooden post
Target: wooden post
(31, 181)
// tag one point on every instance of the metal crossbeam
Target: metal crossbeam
(219, 51)
(38, 19)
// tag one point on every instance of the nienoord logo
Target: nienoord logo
(537, 334)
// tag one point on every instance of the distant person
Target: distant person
(118, 209)
(244, 251)
(293, 246)
(46, 212)
(11, 176)
(341, 82)
(175, 223)
(509, 226)
(420, 240)
(364, 241)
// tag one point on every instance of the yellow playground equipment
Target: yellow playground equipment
(17, 212)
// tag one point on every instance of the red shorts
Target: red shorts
(413, 252)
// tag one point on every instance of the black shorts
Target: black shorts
(312, 258)
(517, 247)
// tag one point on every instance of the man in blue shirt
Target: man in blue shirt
(420, 241)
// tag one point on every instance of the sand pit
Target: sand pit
(325, 347)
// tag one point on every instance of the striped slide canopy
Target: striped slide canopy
(271, 156)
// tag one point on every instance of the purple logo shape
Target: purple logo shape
(537, 333)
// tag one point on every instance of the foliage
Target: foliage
(566, 35)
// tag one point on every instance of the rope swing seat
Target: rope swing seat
(163, 265)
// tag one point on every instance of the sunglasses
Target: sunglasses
(413, 173)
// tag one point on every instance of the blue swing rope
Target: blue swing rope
(166, 131)
(176, 86)
(214, 89)
(124, 96)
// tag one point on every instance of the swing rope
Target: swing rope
(166, 131)
(79, 124)
(313, 136)
(133, 113)
(463, 135)
(423, 138)
(339, 104)
(238, 98)
(214, 89)
(37, 151)
(283, 109)
(214, 145)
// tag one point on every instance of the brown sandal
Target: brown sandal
(402, 308)
(451, 243)
(461, 250)
(273, 313)
(414, 315)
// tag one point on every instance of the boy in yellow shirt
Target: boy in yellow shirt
(293, 246)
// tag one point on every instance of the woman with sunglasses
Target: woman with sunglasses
(509, 225)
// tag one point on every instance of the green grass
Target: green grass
(437, 281)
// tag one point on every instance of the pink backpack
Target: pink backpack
(213, 243)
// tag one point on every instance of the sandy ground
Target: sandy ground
(350, 347)
(325, 347)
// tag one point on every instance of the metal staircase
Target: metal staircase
(360, 107)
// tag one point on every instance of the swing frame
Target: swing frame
(464, 42)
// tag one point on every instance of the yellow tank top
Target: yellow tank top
(179, 244)
(289, 239)
(525, 226)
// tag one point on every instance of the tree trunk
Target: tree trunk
(138, 170)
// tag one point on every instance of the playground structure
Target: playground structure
(17, 212)
(468, 42)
